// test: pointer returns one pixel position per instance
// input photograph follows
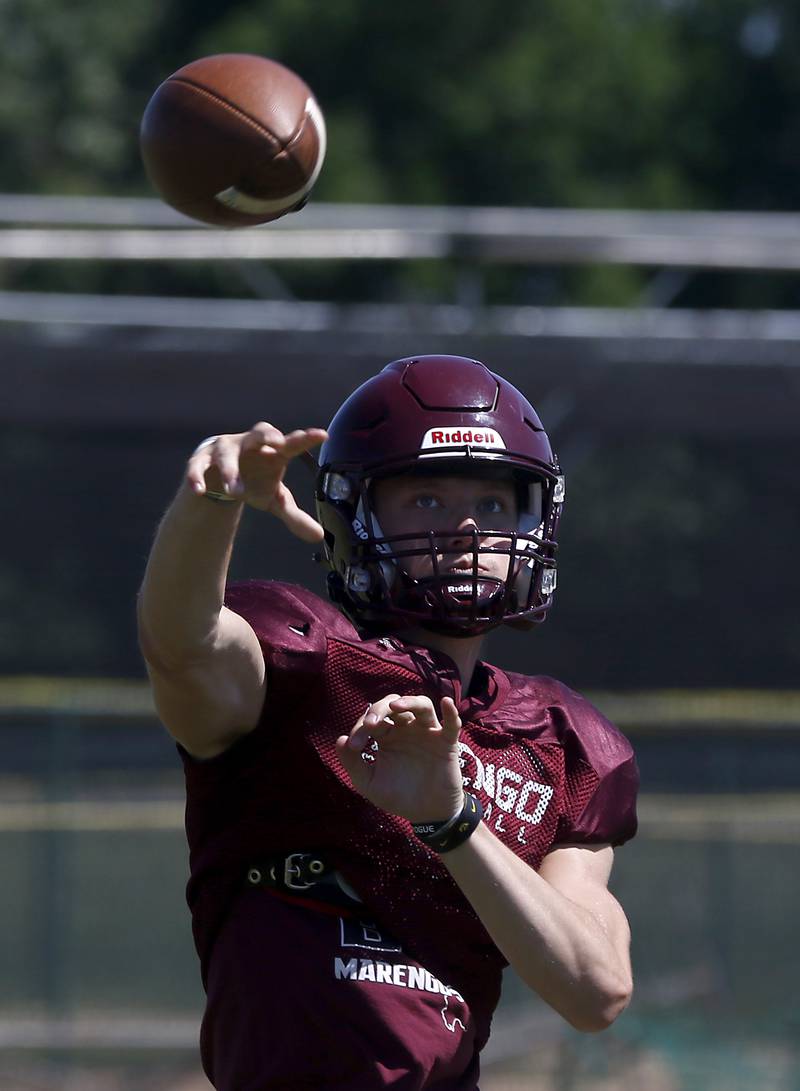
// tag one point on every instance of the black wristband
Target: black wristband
(444, 836)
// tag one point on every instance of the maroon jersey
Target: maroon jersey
(548, 769)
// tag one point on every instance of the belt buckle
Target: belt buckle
(290, 870)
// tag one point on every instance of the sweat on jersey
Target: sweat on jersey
(402, 995)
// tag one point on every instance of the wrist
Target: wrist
(445, 836)
(452, 812)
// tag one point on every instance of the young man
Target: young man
(378, 821)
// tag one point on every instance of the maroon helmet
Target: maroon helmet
(446, 415)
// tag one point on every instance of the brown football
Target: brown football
(233, 140)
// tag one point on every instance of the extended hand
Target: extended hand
(404, 760)
(250, 466)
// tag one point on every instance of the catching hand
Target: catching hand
(404, 760)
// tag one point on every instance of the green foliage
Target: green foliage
(65, 102)
(562, 102)
(613, 103)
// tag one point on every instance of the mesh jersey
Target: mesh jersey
(546, 765)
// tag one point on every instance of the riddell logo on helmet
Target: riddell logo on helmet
(462, 437)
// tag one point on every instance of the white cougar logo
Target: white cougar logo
(454, 1020)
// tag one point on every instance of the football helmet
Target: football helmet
(447, 415)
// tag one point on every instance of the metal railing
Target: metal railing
(144, 229)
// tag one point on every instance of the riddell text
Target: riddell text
(463, 437)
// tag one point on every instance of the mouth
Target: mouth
(461, 564)
(463, 570)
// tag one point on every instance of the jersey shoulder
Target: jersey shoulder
(600, 764)
(583, 727)
(292, 624)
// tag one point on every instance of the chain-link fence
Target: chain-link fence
(99, 986)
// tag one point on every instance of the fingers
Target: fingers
(419, 709)
(299, 522)
(226, 453)
(303, 439)
(359, 770)
(217, 456)
(220, 457)
(402, 759)
(374, 724)
(198, 463)
(395, 711)
(265, 436)
(451, 721)
(262, 434)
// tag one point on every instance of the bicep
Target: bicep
(581, 873)
(210, 702)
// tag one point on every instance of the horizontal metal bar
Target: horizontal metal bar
(752, 332)
(131, 229)
(40, 244)
(75, 211)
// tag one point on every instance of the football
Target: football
(233, 140)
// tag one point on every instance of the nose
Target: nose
(465, 529)
(468, 522)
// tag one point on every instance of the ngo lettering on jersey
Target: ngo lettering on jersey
(514, 795)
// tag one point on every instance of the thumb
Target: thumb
(299, 522)
(450, 720)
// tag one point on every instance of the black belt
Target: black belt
(302, 874)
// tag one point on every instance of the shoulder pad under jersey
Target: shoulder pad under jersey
(292, 623)
(603, 806)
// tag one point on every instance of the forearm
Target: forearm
(184, 583)
(560, 949)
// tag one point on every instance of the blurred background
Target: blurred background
(600, 201)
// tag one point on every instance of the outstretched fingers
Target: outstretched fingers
(251, 465)
(299, 522)
(303, 439)
(268, 440)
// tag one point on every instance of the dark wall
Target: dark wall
(678, 555)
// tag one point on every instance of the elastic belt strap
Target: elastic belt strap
(301, 874)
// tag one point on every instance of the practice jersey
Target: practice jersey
(545, 764)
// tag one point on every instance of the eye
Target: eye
(426, 501)
(492, 505)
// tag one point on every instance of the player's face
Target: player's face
(452, 507)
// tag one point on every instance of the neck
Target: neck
(464, 651)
